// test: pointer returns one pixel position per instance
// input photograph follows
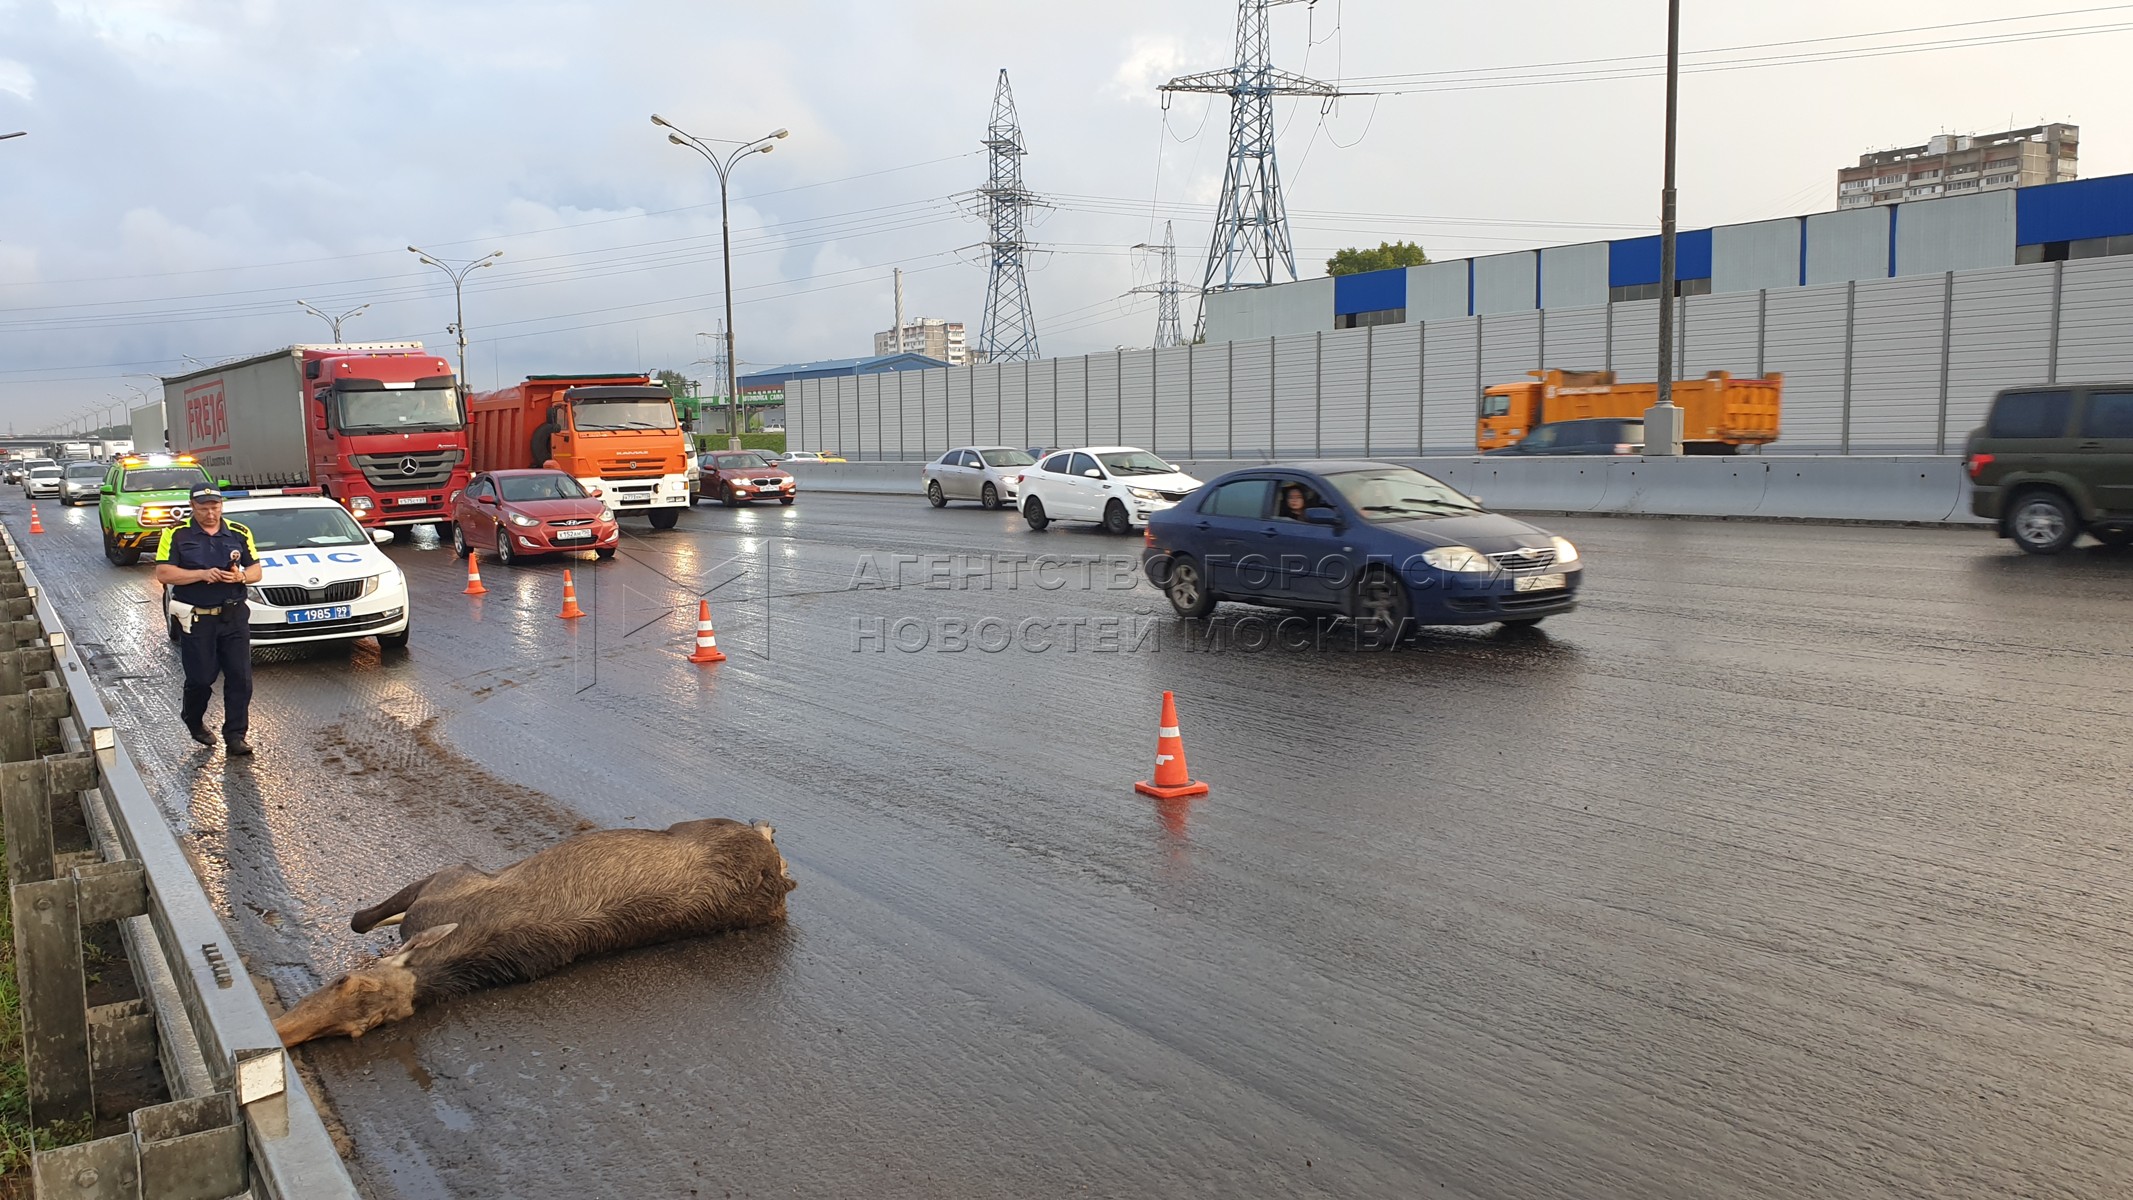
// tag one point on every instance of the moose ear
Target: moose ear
(421, 941)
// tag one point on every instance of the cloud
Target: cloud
(16, 79)
(1150, 62)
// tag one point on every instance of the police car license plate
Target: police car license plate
(573, 535)
(304, 616)
(1539, 583)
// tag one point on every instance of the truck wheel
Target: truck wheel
(2043, 522)
(665, 518)
(403, 534)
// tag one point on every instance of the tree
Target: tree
(1355, 260)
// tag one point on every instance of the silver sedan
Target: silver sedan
(986, 474)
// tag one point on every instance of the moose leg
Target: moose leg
(388, 912)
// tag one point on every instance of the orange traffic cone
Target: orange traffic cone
(571, 611)
(474, 587)
(36, 526)
(1172, 781)
(707, 650)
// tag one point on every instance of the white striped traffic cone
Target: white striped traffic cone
(707, 650)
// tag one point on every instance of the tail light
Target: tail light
(1019, 479)
(1148, 536)
(1977, 464)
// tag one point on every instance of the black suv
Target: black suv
(1586, 435)
(2054, 461)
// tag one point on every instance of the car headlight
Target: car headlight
(126, 510)
(255, 595)
(1564, 551)
(1145, 493)
(607, 514)
(373, 583)
(1461, 559)
(523, 521)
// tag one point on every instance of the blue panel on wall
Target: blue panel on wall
(1635, 261)
(1370, 291)
(2066, 212)
(1632, 261)
(1692, 255)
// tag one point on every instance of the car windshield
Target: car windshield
(400, 410)
(737, 462)
(1007, 458)
(44, 472)
(85, 471)
(609, 415)
(1134, 462)
(288, 528)
(556, 486)
(1398, 494)
(163, 479)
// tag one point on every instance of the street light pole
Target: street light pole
(458, 275)
(1662, 422)
(335, 322)
(724, 167)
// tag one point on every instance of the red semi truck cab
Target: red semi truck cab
(379, 426)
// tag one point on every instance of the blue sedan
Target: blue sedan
(1385, 545)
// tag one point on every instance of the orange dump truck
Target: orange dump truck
(617, 433)
(1718, 412)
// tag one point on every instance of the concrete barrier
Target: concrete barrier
(1684, 487)
(1931, 490)
(883, 478)
(1928, 489)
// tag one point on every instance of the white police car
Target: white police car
(323, 577)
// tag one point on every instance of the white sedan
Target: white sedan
(1117, 487)
(323, 577)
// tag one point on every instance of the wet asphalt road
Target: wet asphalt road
(1793, 864)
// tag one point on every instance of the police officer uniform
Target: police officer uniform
(219, 640)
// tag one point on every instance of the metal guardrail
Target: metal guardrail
(239, 1122)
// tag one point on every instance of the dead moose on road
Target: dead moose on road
(464, 928)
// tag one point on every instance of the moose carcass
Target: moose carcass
(463, 928)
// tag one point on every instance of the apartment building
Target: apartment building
(1962, 164)
(930, 336)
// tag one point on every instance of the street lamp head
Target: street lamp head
(781, 133)
(764, 149)
(676, 139)
(658, 120)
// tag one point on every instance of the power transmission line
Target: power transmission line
(1009, 331)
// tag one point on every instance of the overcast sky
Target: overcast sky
(193, 169)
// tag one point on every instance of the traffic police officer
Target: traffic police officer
(207, 562)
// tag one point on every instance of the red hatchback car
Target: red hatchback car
(520, 514)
